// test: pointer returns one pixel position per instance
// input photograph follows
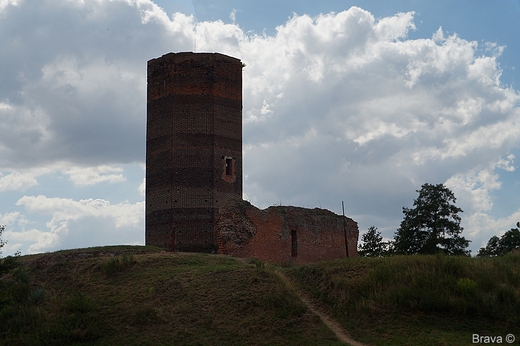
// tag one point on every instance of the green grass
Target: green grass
(411, 300)
(139, 296)
(135, 295)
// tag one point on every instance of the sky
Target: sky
(354, 101)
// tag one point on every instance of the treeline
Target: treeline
(432, 226)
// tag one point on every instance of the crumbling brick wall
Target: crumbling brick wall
(281, 234)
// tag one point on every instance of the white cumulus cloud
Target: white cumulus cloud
(17, 181)
(341, 106)
(85, 222)
(95, 175)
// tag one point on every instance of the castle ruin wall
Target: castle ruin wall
(284, 234)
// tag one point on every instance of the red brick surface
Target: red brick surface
(246, 231)
(194, 122)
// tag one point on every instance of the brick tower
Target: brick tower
(193, 147)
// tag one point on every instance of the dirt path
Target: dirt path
(341, 334)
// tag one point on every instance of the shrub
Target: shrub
(36, 297)
(258, 264)
(467, 286)
(118, 264)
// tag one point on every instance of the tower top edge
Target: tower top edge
(183, 56)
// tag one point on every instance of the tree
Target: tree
(500, 246)
(10, 262)
(2, 242)
(433, 225)
(373, 244)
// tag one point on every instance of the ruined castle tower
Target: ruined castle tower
(193, 147)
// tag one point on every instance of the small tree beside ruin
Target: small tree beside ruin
(373, 244)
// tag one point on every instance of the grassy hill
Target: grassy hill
(129, 295)
(419, 300)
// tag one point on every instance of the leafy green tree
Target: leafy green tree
(373, 244)
(432, 225)
(508, 242)
(491, 249)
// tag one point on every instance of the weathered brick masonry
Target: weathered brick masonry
(194, 172)
(281, 234)
(193, 147)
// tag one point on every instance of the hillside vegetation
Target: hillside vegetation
(421, 299)
(143, 296)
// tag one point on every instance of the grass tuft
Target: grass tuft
(118, 264)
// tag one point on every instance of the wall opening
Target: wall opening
(228, 173)
(229, 166)
(294, 244)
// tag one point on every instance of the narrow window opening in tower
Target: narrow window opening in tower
(229, 166)
(294, 244)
